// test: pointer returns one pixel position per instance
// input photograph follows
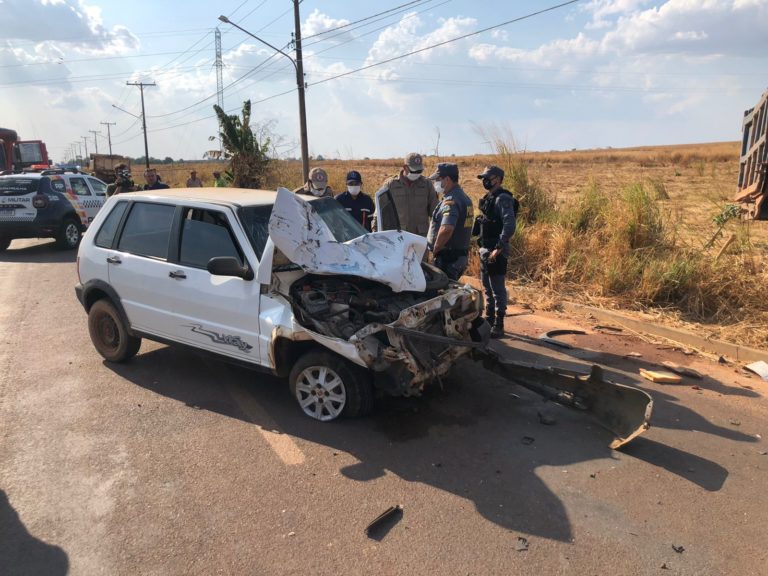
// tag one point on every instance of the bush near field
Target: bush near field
(646, 229)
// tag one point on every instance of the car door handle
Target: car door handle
(177, 274)
(114, 260)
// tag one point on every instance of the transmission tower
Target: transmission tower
(219, 76)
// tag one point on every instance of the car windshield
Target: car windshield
(13, 186)
(342, 225)
(255, 220)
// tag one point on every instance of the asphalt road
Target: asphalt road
(178, 464)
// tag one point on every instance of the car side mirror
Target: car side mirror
(229, 266)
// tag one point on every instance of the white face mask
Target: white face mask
(412, 177)
(438, 186)
(317, 191)
(354, 190)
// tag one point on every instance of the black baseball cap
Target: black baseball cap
(446, 169)
(492, 171)
(354, 176)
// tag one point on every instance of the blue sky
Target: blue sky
(595, 73)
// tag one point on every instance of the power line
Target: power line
(462, 37)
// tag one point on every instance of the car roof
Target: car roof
(234, 196)
(45, 174)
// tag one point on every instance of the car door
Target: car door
(213, 312)
(139, 270)
(99, 190)
(86, 202)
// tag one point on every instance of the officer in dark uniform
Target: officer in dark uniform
(358, 204)
(450, 230)
(495, 226)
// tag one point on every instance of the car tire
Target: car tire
(435, 278)
(4, 243)
(70, 235)
(327, 386)
(109, 333)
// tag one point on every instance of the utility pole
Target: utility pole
(95, 141)
(219, 79)
(143, 117)
(85, 142)
(302, 86)
(298, 65)
(109, 135)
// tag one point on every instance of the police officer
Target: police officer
(496, 225)
(358, 204)
(414, 196)
(317, 185)
(450, 230)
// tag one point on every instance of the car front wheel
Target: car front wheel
(326, 386)
(109, 333)
(69, 235)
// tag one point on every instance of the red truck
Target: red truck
(16, 155)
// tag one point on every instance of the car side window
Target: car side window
(255, 220)
(79, 186)
(106, 235)
(98, 186)
(206, 234)
(147, 230)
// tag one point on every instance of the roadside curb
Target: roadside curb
(738, 353)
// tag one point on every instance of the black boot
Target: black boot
(497, 330)
(490, 317)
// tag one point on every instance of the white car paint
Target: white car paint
(391, 257)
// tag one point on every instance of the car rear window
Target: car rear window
(147, 230)
(15, 186)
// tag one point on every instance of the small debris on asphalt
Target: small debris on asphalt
(514, 396)
(522, 544)
(722, 360)
(384, 522)
(664, 566)
(528, 440)
(660, 376)
(633, 355)
(735, 422)
(608, 328)
(593, 475)
(678, 549)
(546, 418)
(682, 370)
(291, 533)
(437, 465)
(696, 387)
(760, 368)
(763, 453)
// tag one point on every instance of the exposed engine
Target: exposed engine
(339, 306)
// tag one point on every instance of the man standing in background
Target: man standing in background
(357, 203)
(193, 181)
(496, 227)
(450, 231)
(414, 196)
(317, 185)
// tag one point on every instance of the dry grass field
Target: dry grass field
(629, 228)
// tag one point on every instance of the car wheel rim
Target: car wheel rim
(72, 234)
(108, 332)
(321, 393)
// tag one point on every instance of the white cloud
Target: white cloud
(318, 22)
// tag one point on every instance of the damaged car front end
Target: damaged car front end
(405, 321)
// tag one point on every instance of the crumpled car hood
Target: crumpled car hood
(391, 257)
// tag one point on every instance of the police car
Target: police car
(48, 204)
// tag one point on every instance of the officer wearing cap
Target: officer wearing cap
(450, 230)
(495, 226)
(317, 185)
(358, 204)
(414, 197)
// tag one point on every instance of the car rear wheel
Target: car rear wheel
(4, 243)
(109, 333)
(69, 235)
(327, 386)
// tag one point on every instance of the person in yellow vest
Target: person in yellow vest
(414, 196)
(218, 180)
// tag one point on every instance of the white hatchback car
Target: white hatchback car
(279, 282)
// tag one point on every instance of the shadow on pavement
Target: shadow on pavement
(44, 252)
(21, 554)
(471, 439)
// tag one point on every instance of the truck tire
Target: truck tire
(327, 386)
(109, 333)
(70, 235)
